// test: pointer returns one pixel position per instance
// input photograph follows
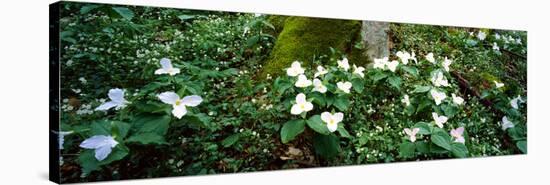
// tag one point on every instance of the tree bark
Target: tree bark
(375, 38)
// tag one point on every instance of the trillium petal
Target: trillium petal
(192, 100)
(116, 95)
(415, 130)
(174, 71)
(166, 63)
(332, 127)
(460, 140)
(326, 116)
(295, 110)
(179, 111)
(168, 97)
(308, 106)
(408, 131)
(160, 71)
(102, 152)
(300, 98)
(338, 117)
(106, 106)
(96, 142)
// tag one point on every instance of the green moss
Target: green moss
(278, 21)
(303, 38)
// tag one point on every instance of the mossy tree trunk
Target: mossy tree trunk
(302, 39)
(375, 38)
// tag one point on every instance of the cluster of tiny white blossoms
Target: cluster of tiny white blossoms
(438, 80)
(85, 109)
(103, 144)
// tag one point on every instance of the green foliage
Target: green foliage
(291, 129)
(244, 122)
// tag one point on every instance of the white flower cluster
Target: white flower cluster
(103, 144)
(302, 105)
(85, 109)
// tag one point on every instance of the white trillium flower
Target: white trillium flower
(438, 79)
(495, 46)
(117, 100)
(457, 99)
(167, 68)
(481, 35)
(344, 64)
(430, 58)
(302, 81)
(497, 36)
(498, 84)
(344, 86)
(302, 105)
(438, 96)
(406, 100)
(515, 102)
(320, 71)
(446, 64)
(413, 57)
(404, 56)
(358, 71)
(102, 145)
(295, 69)
(505, 124)
(392, 65)
(332, 120)
(318, 86)
(179, 105)
(380, 63)
(439, 120)
(411, 133)
(457, 135)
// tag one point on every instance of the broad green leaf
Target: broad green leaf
(411, 70)
(379, 76)
(409, 110)
(232, 139)
(152, 123)
(146, 138)
(449, 110)
(124, 12)
(343, 132)
(185, 17)
(88, 8)
(421, 89)
(395, 81)
(406, 149)
(437, 149)
(318, 98)
(522, 145)
(424, 127)
(341, 103)
(120, 128)
(422, 147)
(316, 124)
(291, 129)
(152, 107)
(327, 146)
(200, 120)
(442, 139)
(101, 127)
(358, 84)
(459, 150)
(89, 163)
